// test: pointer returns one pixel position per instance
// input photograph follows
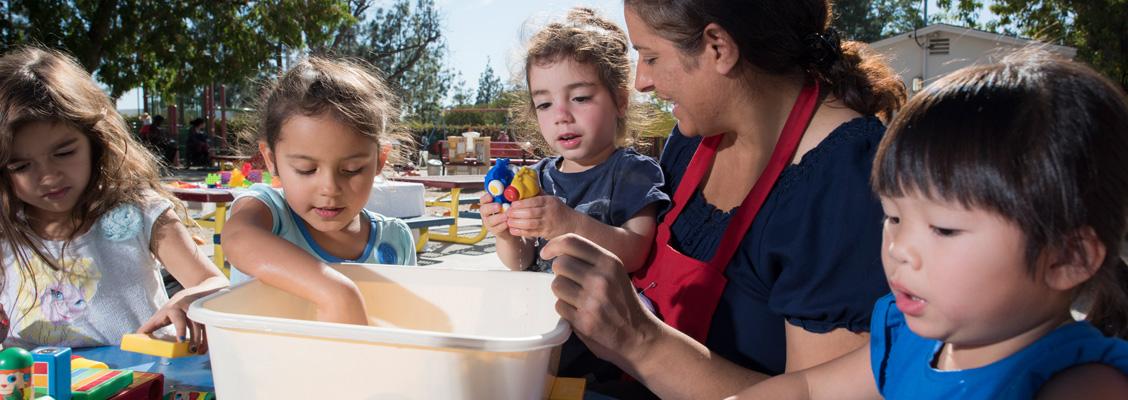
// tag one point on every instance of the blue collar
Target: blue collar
(324, 255)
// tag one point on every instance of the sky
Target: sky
(481, 30)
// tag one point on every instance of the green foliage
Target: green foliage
(489, 86)
(870, 20)
(405, 41)
(1097, 28)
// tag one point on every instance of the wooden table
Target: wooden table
(214, 220)
(455, 184)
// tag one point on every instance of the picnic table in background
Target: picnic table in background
(214, 220)
(451, 200)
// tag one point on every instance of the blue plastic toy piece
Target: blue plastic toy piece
(497, 179)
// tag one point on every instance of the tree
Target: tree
(405, 42)
(460, 94)
(870, 20)
(489, 86)
(170, 47)
(1097, 28)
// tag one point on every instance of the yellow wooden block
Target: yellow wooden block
(160, 347)
(567, 389)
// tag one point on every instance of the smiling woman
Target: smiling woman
(755, 269)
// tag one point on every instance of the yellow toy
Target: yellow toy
(524, 185)
(160, 347)
(237, 179)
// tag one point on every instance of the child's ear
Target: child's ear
(268, 158)
(624, 97)
(721, 49)
(1077, 260)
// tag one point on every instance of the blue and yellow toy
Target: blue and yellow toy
(507, 187)
(497, 179)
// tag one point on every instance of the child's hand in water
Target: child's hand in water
(494, 217)
(542, 216)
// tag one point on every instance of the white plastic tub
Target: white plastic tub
(439, 334)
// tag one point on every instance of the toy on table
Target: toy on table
(99, 384)
(83, 362)
(156, 346)
(237, 179)
(246, 170)
(189, 395)
(145, 386)
(255, 176)
(15, 372)
(224, 177)
(507, 187)
(267, 178)
(51, 372)
(212, 180)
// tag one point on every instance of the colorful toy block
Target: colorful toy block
(156, 346)
(184, 395)
(51, 372)
(99, 384)
(83, 362)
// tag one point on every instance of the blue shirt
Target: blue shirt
(811, 257)
(902, 361)
(389, 239)
(611, 192)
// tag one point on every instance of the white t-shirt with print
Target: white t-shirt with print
(111, 286)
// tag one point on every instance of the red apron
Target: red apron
(684, 291)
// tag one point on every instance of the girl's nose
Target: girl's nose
(642, 82)
(563, 115)
(327, 184)
(901, 252)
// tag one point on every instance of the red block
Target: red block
(146, 386)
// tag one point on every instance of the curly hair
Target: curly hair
(586, 38)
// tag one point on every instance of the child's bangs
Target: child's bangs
(966, 143)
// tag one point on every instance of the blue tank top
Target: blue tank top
(902, 361)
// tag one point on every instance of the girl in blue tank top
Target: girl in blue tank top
(1004, 188)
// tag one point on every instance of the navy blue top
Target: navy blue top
(611, 192)
(902, 361)
(811, 256)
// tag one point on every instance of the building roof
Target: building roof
(973, 33)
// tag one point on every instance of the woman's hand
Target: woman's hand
(494, 217)
(542, 216)
(175, 312)
(595, 295)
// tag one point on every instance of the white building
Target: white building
(923, 55)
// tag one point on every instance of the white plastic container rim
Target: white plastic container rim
(198, 312)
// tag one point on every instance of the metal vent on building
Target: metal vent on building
(938, 46)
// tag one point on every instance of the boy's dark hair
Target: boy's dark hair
(1041, 141)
